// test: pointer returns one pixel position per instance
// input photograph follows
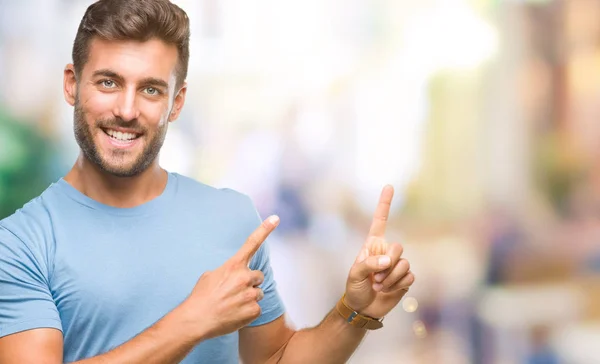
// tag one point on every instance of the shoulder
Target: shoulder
(226, 210)
(32, 223)
(207, 195)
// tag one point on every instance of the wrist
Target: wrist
(355, 318)
(350, 304)
(184, 319)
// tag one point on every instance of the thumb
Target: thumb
(364, 254)
(361, 270)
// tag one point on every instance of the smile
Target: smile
(121, 136)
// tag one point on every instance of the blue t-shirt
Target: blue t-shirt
(102, 274)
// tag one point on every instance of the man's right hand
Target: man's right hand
(226, 299)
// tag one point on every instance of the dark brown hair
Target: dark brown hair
(138, 20)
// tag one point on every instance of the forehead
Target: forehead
(133, 59)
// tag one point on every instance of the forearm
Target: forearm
(164, 342)
(332, 341)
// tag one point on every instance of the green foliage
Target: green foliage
(25, 162)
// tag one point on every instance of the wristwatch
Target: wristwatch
(356, 319)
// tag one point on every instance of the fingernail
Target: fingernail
(384, 261)
(379, 277)
(377, 286)
(274, 220)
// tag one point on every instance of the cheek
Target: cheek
(98, 105)
(154, 113)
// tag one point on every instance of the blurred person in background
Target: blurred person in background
(542, 352)
(122, 261)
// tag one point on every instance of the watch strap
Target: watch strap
(356, 319)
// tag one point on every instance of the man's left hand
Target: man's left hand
(380, 277)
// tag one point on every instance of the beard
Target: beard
(119, 163)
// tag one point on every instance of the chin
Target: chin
(131, 169)
(123, 173)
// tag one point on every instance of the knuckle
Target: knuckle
(255, 310)
(353, 270)
(259, 278)
(243, 280)
(235, 263)
(400, 248)
(229, 265)
(405, 265)
(206, 275)
(252, 239)
(390, 280)
(367, 265)
(397, 248)
(249, 295)
(410, 277)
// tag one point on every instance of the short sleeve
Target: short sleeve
(271, 305)
(25, 299)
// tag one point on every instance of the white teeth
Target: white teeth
(120, 136)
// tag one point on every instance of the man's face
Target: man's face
(124, 100)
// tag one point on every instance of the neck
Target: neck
(123, 192)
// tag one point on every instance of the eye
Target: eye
(108, 83)
(152, 91)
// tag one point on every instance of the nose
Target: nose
(126, 105)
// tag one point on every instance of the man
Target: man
(123, 262)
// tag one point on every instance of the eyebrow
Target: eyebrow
(148, 81)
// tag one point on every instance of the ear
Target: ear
(178, 103)
(70, 84)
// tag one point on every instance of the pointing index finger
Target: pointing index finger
(256, 239)
(382, 212)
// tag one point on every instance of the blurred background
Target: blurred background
(483, 114)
